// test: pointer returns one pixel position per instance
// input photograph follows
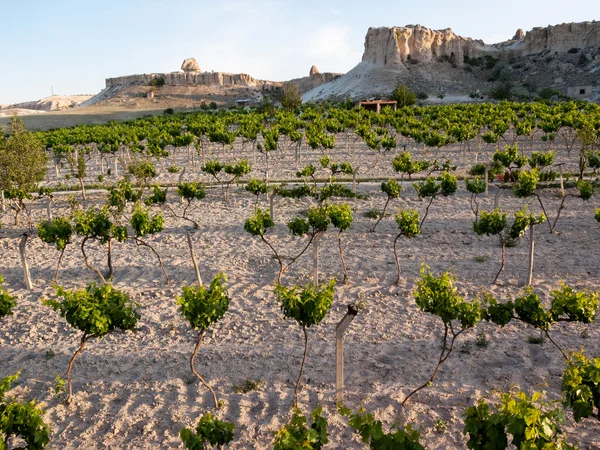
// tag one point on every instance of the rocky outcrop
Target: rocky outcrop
(191, 78)
(305, 84)
(313, 71)
(393, 47)
(560, 38)
(520, 34)
(53, 103)
(190, 65)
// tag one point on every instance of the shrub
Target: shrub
(403, 96)
(209, 431)
(95, 311)
(22, 420)
(297, 434)
(7, 301)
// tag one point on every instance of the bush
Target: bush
(209, 430)
(403, 96)
(157, 82)
(297, 434)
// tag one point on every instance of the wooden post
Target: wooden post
(562, 184)
(2, 205)
(189, 239)
(487, 170)
(22, 245)
(316, 260)
(531, 248)
(271, 205)
(340, 329)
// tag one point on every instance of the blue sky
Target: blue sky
(73, 45)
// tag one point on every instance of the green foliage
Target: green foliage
(257, 187)
(7, 301)
(119, 195)
(581, 383)
(318, 220)
(173, 169)
(408, 222)
(498, 313)
(440, 297)
(371, 432)
(248, 386)
(298, 435)
(23, 159)
(290, 97)
(403, 96)
(238, 169)
(259, 222)
(307, 171)
(336, 190)
(158, 197)
(212, 167)
(22, 420)
(303, 190)
(597, 215)
(586, 190)
(58, 231)
(530, 310)
(490, 223)
(507, 157)
(404, 163)
(576, 306)
(142, 171)
(97, 224)
(340, 216)
(541, 159)
(527, 183)
(203, 306)
(143, 224)
(475, 186)
(391, 188)
(191, 191)
(308, 305)
(532, 423)
(209, 431)
(523, 220)
(95, 310)
(429, 187)
(448, 184)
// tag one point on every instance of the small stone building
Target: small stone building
(579, 92)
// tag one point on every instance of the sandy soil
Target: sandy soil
(136, 391)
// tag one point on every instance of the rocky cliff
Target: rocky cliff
(440, 61)
(395, 46)
(560, 38)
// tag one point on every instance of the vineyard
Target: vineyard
(167, 277)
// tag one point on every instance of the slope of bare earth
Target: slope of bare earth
(52, 103)
(135, 390)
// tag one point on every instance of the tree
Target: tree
(22, 420)
(96, 311)
(403, 96)
(23, 164)
(308, 306)
(290, 97)
(202, 307)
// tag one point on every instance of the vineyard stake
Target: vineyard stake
(339, 351)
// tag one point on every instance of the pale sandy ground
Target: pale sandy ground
(135, 390)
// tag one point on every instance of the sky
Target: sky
(70, 46)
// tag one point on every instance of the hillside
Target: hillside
(439, 62)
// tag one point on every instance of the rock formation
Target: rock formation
(561, 38)
(313, 71)
(190, 65)
(520, 34)
(394, 46)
